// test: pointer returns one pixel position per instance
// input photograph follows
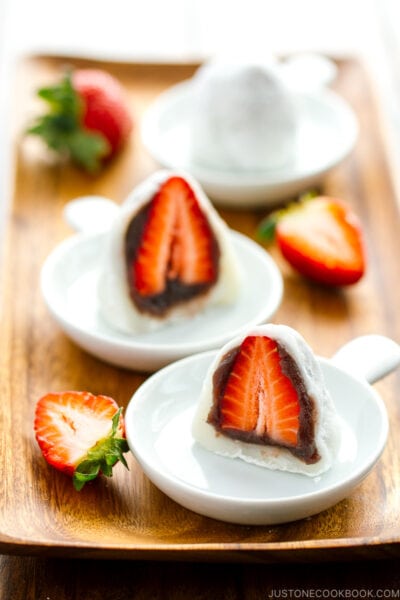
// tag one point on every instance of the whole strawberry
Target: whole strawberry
(321, 238)
(88, 119)
(80, 434)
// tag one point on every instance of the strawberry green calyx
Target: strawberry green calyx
(102, 457)
(266, 229)
(61, 128)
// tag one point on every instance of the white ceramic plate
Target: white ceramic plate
(158, 425)
(327, 133)
(69, 279)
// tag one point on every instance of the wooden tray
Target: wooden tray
(127, 516)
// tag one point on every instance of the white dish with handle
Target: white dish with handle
(158, 425)
(69, 280)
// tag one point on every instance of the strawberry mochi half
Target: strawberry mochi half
(264, 400)
(168, 255)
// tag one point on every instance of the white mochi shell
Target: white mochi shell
(243, 117)
(115, 304)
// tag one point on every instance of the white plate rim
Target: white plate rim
(182, 349)
(223, 179)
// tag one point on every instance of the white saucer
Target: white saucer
(69, 278)
(158, 425)
(327, 133)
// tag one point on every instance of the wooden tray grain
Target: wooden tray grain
(127, 517)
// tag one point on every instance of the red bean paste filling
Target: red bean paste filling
(305, 449)
(175, 291)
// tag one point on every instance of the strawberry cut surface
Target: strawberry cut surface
(321, 238)
(258, 399)
(80, 434)
(171, 251)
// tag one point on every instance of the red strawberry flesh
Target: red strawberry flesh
(172, 254)
(104, 105)
(259, 397)
(322, 240)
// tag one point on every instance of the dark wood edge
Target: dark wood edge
(301, 552)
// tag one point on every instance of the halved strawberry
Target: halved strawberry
(80, 434)
(258, 397)
(321, 238)
(177, 242)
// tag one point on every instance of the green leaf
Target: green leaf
(266, 229)
(115, 422)
(61, 128)
(87, 149)
(86, 471)
(102, 457)
(62, 97)
(122, 457)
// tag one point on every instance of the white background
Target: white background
(178, 29)
(163, 30)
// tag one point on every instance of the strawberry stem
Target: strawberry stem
(102, 457)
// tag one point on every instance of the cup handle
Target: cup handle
(308, 72)
(369, 357)
(90, 214)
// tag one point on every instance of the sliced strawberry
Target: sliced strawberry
(156, 247)
(194, 238)
(258, 397)
(177, 243)
(321, 238)
(80, 434)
